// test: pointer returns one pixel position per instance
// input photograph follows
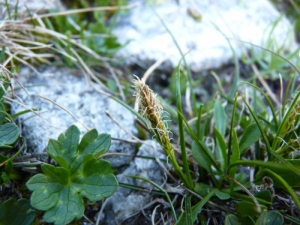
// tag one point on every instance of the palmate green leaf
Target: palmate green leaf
(14, 212)
(60, 190)
(9, 134)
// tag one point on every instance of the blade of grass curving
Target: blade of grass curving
(198, 123)
(268, 147)
(190, 81)
(220, 118)
(231, 129)
(264, 136)
(195, 209)
(268, 50)
(181, 131)
(168, 107)
(249, 199)
(140, 117)
(236, 65)
(2, 53)
(222, 146)
(16, 154)
(159, 188)
(269, 165)
(286, 185)
(268, 100)
(288, 89)
(139, 188)
(24, 112)
(8, 9)
(199, 143)
(16, 10)
(234, 157)
(285, 120)
(292, 219)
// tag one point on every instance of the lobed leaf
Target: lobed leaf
(60, 190)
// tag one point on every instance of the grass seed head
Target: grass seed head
(150, 108)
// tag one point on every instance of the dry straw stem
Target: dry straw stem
(151, 109)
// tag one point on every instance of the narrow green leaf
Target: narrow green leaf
(159, 188)
(189, 74)
(221, 145)
(269, 102)
(249, 137)
(200, 157)
(293, 219)
(280, 131)
(263, 134)
(202, 147)
(234, 157)
(5, 84)
(288, 188)
(220, 117)
(196, 209)
(190, 183)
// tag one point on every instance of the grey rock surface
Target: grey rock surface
(76, 95)
(125, 202)
(204, 41)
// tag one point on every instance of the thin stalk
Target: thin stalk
(181, 133)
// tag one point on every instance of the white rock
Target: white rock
(36, 5)
(75, 95)
(204, 40)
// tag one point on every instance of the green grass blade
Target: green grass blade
(286, 185)
(181, 133)
(292, 219)
(190, 81)
(269, 102)
(231, 129)
(198, 123)
(236, 65)
(200, 144)
(221, 144)
(195, 209)
(263, 134)
(234, 157)
(288, 89)
(263, 164)
(159, 188)
(280, 131)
